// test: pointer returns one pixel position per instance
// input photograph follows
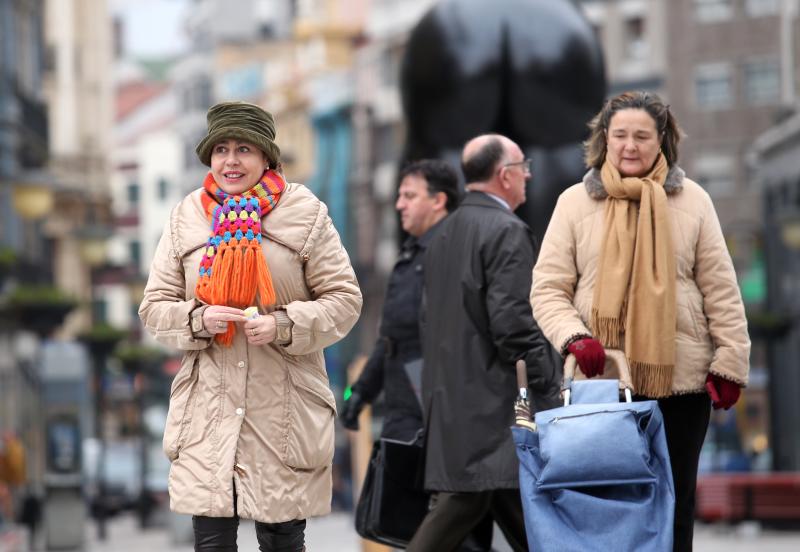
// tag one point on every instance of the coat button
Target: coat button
(241, 364)
(240, 411)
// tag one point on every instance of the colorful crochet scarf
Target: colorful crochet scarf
(233, 270)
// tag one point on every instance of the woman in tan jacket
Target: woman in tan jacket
(634, 259)
(251, 416)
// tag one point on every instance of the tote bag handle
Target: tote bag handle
(615, 358)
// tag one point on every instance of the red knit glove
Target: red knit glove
(724, 393)
(590, 355)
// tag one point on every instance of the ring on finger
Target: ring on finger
(220, 324)
(253, 332)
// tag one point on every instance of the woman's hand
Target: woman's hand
(217, 317)
(724, 393)
(590, 355)
(260, 330)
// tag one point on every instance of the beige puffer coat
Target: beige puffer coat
(711, 324)
(259, 417)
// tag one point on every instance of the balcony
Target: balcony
(32, 124)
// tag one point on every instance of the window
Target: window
(133, 194)
(135, 252)
(99, 310)
(715, 173)
(163, 188)
(242, 82)
(713, 86)
(710, 11)
(196, 94)
(760, 8)
(635, 44)
(762, 81)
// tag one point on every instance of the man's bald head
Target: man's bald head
(482, 162)
(481, 156)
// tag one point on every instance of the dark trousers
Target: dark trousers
(454, 515)
(219, 535)
(685, 423)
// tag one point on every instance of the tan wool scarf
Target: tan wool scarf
(634, 294)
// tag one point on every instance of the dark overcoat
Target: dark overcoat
(398, 347)
(477, 323)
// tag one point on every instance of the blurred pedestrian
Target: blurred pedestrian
(250, 429)
(428, 191)
(30, 515)
(6, 510)
(12, 460)
(634, 259)
(477, 323)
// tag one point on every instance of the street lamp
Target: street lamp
(32, 201)
(100, 340)
(93, 244)
(142, 364)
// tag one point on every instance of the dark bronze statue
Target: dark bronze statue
(529, 69)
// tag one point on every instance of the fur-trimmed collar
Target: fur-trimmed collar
(596, 190)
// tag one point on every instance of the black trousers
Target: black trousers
(219, 535)
(454, 515)
(685, 423)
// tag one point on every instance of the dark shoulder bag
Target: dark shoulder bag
(392, 505)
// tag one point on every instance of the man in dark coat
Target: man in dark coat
(428, 192)
(477, 323)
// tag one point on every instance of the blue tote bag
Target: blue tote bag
(595, 473)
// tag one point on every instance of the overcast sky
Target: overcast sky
(152, 27)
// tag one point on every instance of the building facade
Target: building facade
(776, 171)
(733, 71)
(634, 39)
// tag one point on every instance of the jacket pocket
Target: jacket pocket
(309, 440)
(182, 396)
(686, 323)
(692, 320)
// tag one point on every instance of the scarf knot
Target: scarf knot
(233, 270)
(634, 297)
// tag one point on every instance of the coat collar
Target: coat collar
(595, 189)
(426, 238)
(482, 199)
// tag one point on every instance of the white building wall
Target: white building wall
(160, 157)
(63, 115)
(78, 37)
(117, 300)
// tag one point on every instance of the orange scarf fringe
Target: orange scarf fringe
(233, 270)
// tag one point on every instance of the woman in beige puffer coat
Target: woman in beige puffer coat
(250, 429)
(634, 258)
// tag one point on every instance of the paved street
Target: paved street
(334, 533)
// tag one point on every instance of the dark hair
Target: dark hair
(439, 175)
(482, 164)
(666, 125)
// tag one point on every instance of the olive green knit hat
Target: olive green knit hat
(243, 121)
